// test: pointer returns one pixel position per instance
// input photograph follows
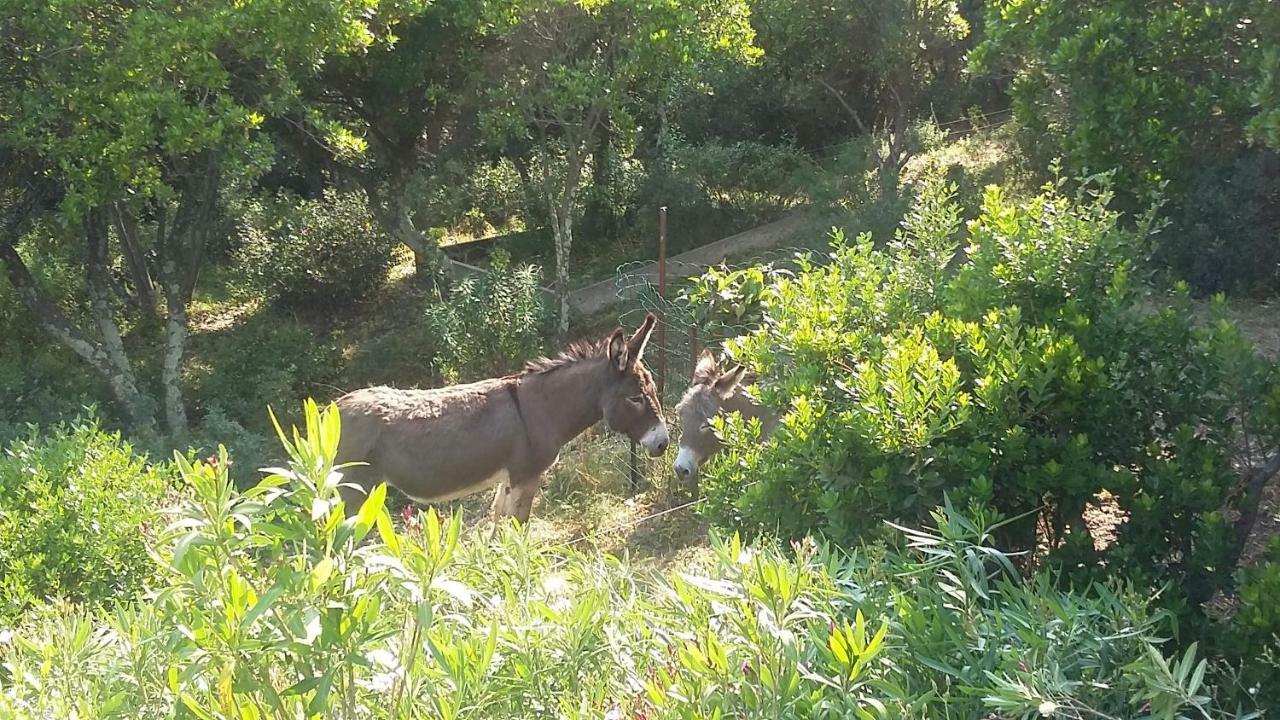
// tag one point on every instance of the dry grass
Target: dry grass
(587, 502)
(989, 156)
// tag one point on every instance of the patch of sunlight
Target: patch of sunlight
(207, 316)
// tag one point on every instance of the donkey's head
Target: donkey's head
(630, 401)
(701, 403)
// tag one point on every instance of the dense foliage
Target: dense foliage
(125, 125)
(313, 254)
(197, 201)
(492, 324)
(1163, 93)
(276, 605)
(42, 383)
(76, 505)
(1035, 379)
(1145, 87)
(1254, 632)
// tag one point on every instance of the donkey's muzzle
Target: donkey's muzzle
(686, 463)
(655, 441)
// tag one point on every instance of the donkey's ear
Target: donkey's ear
(635, 346)
(727, 383)
(618, 351)
(706, 371)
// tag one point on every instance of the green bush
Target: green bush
(1036, 379)
(1225, 234)
(476, 197)
(317, 254)
(1147, 87)
(266, 359)
(1254, 630)
(75, 507)
(722, 303)
(491, 324)
(755, 178)
(1152, 89)
(279, 606)
(247, 451)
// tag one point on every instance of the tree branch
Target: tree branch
(127, 230)
(853, 114)
(1249, 505)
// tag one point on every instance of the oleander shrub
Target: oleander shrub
(492, 324)
(278, 605)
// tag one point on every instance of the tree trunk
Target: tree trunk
(175, 343)
(112, 344)
(392, 213)
(562, 198)
(1249, 504)
(521, 164)
(900, 146)
(563, 206)
(562, 230)
(200, 199)
(600, 217)
(126, 226)
(118, 377)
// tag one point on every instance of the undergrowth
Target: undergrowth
(274, 604)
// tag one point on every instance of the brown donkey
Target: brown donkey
(436, 445)
(712, 393)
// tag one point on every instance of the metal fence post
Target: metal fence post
(662, 299)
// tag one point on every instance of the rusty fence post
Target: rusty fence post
(662, 299)
(634, 464)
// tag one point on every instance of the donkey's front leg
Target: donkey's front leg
(520, 498)
(501, 498)
(514, 498)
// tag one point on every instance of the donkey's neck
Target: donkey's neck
(741, 402)
(567, 400)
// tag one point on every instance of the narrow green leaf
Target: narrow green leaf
(262, 605)
(373, 506)
(320, 573)
(320, 701)
(388, 534)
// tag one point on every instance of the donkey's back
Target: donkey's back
(432, 445)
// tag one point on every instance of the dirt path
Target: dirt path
(599, 296)
(594, 298)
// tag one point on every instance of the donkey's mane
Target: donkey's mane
(576, 351)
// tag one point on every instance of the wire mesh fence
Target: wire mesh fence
(689, 330)
(671, 356)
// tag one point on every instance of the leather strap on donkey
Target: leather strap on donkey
(515, 398)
